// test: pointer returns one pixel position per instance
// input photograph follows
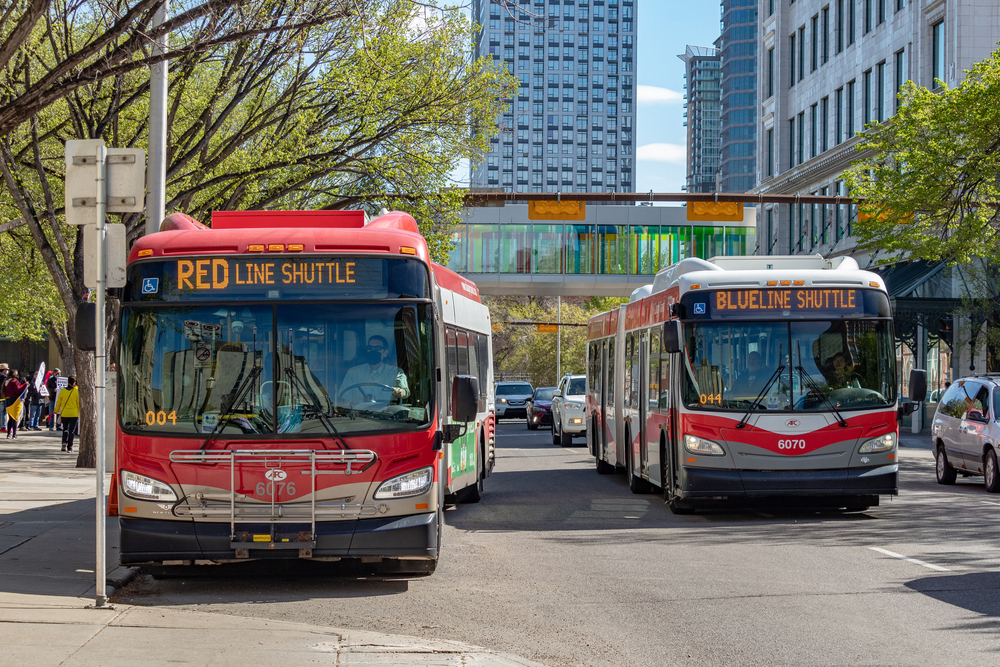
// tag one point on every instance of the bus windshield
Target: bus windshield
(276, 370)
(842, 364)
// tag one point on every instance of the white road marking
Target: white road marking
(989, 502)
(911, 560)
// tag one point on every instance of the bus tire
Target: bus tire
(679, 507)
(991, 474)
(603, 467)
(946, 474)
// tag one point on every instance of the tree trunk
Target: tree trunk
(86, 379)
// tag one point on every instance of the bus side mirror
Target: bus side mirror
(918, 385)
(672, 336)
(464, 398)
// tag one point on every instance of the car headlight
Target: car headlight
(701, 446)
(141, 487)
(574, 406)
(503, 400)
(411, 484)
(883, 443)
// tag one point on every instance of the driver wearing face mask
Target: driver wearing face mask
(376, 372)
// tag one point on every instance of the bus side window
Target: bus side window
(483, 355)
(474, 368)
(462, 349)
(611, 373)
(627, 390)
(653, 399)
(451, 354)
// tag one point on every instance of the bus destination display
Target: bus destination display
(304, 277)
(803, 302)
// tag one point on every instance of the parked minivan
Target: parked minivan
(966, 432)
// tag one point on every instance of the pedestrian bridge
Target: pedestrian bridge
(616, 249)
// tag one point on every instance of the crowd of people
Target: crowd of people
(46, 403)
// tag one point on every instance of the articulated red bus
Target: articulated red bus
(748, 377)
(297, 385)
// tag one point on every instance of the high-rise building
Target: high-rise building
(738, 51)
(702, 76)
(571, 126)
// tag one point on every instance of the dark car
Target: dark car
(540, 407)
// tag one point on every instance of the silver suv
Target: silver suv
(512, 399)
(966, 431)
(568, 410)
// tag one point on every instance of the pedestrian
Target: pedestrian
(3, 378)
(68, 409)
(34, 405)
(13, 387)
(50, 386)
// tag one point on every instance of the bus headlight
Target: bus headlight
(411, 484)
(141, 487)
(883, 443)
(701, 446)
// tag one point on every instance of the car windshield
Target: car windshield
(513, 389)
(848, 364)
(265, 370)
(544, 394)
(576, 387)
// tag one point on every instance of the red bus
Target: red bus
(749, 377)
(297, 385)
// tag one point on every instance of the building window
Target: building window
(900, 75)
(826, 34)
(840, 25)
(866, 97)
(770, 72)
(880, 91)
(838, 126)
(838, 213)
(770, 231)
(770, 152)
(770, 7)
(791, 226)
(813, 232)
(802, 53)
(802, 132)
(824, 124)
(814, 46)
(881, 12)
(791, 143)
(900, 4)
(937, 54)
(868, 17)
(850, 110)
(813, 129)
(851, 21)
(791, 61)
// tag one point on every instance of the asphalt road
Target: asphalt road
(566, 567)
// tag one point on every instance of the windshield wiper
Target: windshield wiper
(760, 397)
(818, 390)
(327, 424)
(234, 399)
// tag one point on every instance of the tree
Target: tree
(336, 101)
(929, 174)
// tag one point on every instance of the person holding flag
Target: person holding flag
(14, 391)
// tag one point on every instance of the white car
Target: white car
(568, 403)
(512, 399)
(966, 432)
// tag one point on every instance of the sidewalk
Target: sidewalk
(47, 580)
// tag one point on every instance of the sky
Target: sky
(665, 28)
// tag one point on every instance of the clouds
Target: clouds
(669, 153)
(655, 95)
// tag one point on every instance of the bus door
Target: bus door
(602, 370)
(666, 405)
(643, 400)
(653, 420)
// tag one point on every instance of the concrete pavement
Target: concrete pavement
(47, 580)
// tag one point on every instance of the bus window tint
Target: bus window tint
(182, 365)
(357, 367)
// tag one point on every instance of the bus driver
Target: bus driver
(361, 380)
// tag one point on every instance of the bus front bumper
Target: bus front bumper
(715, 483)
(154, 541)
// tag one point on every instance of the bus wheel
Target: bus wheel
(635, 484)
(679, 507)
(603, 467)
(946, 474)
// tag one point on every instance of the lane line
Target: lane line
(931, 566)
(989, 502)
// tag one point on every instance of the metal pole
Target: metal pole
(101, 570)
(156, 176)
(558, 339)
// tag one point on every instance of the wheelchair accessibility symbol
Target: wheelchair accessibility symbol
(699, 308)
(150, 285)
